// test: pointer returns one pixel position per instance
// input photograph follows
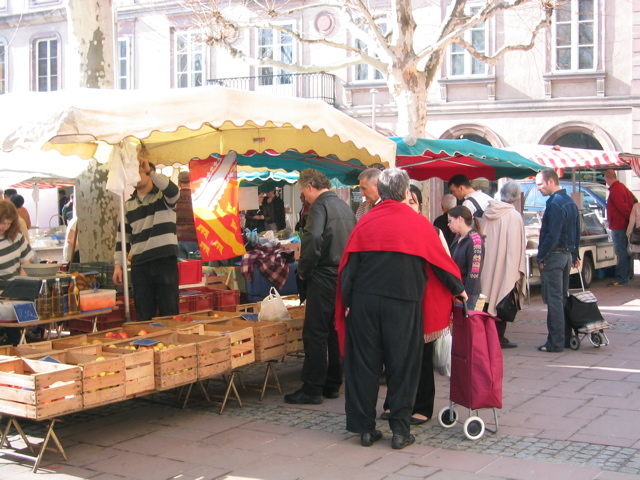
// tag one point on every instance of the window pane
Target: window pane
(123, 48)
(455, 48)
(378, 75)
(563, 35)
(181, 43)
(197, 62)
(265, 37)
(585, 10)
(362, 71)
(54, 48)
(182, 63)
(585, 34)
(457, 65)
(477, 40)
(586, 58)
(477, 67)
(266, 52)
(183, 80)
(286, 38)
(197, 79)
(286, 54)
(564, 59)
(563, 11)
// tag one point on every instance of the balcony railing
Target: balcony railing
(321, 86)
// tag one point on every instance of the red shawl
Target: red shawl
(394, 227)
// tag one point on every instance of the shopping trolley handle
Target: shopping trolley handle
(461, 301)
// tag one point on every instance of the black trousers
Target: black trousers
(425, 396)
(321, 368)
(155, 288)
(382, 331)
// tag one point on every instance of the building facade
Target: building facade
(579, 86)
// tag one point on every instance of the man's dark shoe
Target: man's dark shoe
(398, 442)
(300, 398)
(385, 415)
(330, 393)
(367, 439)
(505, 343)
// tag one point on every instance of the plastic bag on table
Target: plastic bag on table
(273, 309)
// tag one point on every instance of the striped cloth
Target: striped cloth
(150, 223)
(12, 256)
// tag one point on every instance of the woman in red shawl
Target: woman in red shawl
(383, 287)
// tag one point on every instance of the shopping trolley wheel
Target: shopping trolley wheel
(574, 342)
(596, 339)
(447, 417)
(473, 428)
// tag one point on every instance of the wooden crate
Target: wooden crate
(84, 339)
(103, 381)
(26, 350)
(130, 328)
(295, 346)
(241, 340)
(139, 372)
(214, 354)
(269, 338)
(173, 366)
(39, 390)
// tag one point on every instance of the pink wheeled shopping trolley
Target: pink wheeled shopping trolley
(476, 371)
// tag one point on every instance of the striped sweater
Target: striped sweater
(12, 256)
(468, 253)
(150, 223)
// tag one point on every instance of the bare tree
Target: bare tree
(387, 28)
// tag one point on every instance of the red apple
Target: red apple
(143, 332)
(123, 335)
(188, 319)
(177, 318)
(111, 335)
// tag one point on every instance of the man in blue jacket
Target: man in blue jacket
(557, 253)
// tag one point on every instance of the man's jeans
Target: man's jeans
(555, 287)
(624, 267)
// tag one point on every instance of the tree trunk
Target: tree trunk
(92, 36)
(97, 212)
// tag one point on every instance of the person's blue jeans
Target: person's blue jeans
(184, 248)
(555, 287)
(624, 267)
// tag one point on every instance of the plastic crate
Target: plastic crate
(189, 271)
(225, 300)
(202, 298)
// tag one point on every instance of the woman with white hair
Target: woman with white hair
(504, 260)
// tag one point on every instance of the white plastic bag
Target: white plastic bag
(442, 355)
(273, 309)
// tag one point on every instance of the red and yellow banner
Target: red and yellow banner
(214, 193)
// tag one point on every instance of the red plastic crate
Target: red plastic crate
(189, 271)
(186, 304)
(226, 300)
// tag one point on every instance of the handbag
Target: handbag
(272, 308)
(634, 238)
(508, 307)
(442, 355)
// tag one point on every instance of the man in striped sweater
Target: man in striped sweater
(150, 226)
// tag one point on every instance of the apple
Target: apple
(177, 318)
(188, 319)
(100, 359)
(111, 335)
(123, 335)
(143, 332)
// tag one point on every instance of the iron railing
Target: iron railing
(321, 86)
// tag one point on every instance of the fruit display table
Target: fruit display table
(55, 323)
